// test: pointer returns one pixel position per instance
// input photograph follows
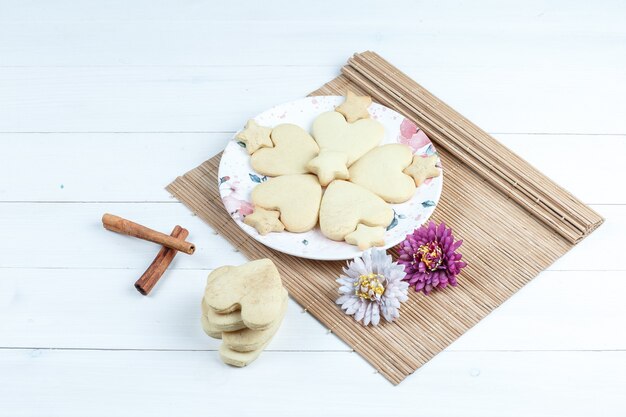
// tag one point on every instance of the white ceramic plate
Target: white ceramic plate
(237, 179)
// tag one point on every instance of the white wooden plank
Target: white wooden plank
(70, 235)
(100, 167)
(192, 33)
(93, 308)
(566, 160)
(96, 167)
(422, 12)
(100, 309)
(146, 99)
(186, 99)
(558, 310)
(135, 383)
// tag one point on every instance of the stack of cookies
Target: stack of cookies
(244, 306)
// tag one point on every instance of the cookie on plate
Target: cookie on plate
(381, 171)
(364, 237)
(354, 107)
(293, 149)
(422, 168)
(331, 131)
(329, 165)
(345, 205)
(255, 137)
(264, 221)
(296, 197)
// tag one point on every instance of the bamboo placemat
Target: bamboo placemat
(514, 221)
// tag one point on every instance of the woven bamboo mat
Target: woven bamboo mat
(514, 221)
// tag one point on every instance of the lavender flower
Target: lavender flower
(429, 257)
(372, 285)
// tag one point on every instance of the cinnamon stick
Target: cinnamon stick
(162, 261)
(120, 225)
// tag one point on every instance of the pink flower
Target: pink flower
(234, 185)
(237, 206)
(412, 136)
(408, 128)
(231, 203)
(245, 208)
(234, 203)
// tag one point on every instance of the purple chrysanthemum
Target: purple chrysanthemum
(429, 257)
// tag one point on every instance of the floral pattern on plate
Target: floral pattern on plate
(237, 179)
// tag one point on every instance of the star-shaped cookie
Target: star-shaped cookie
(422, 168)
(329, 165)
(264, 221)
(355, 107)
(255, 137)
(364, 237)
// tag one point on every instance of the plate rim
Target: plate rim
(312, 255)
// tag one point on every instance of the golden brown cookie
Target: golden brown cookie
(296, 197)
(240, 359)
(247, 340)
(253, 288)
(423, 168)
(264, 221)
(329, 165)
(345, 205)
(354, 107)
(380, 171)
(293, 149)
(331, 131)
(255, 137)
(364, 237)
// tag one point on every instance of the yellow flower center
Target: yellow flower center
(431, 254)
(370, 287)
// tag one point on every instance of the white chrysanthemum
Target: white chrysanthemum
(372, 286)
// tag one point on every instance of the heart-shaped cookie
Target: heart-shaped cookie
(345, 205)
(214, 323)
(247, 340)
(331, 131)
(380, 171)
(296, 197)
(254, 288)
(293, 149)
(240, 359)
(240, 339)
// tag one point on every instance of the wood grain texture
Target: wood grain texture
(541, 316)
(529, 36)
(30, 226)
(509, 67)
(71, 179)
(183, 99)
(78, 383)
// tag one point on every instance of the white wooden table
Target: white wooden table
(103, 103)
